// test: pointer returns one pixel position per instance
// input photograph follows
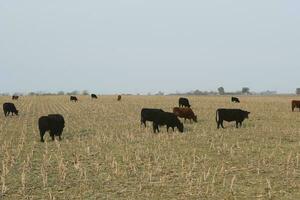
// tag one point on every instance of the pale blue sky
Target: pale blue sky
(136, 46)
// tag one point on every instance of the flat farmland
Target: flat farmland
(106, 154)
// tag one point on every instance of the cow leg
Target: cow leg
(173, 129)
(42, 133)
(222, 124)
(168, 128)
(52, 135)
(143, 122)
(59, 137)
(155, 127)
(218, 125)
(237, 124)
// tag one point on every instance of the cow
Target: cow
(119, 97)
(168, 119)
(230, 115)
(9, 108)
(54, 123)
(186, 113)
(94, 96)
(184, 102)
(149, 114)
(295, 104)
(73, 98)
(235, 100)
(15, 97)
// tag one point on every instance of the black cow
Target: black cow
(9, 108)
(230, 115)
(149, 114)
(184, 102)
(73, 98)
(15, 97)
(94, 96)
(53, 123)
(168, 119)
(235, 100)
(119, 97)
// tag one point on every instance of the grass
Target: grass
(106, 154)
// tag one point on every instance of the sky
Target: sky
(139, 46)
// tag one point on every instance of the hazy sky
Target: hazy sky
(146, 46)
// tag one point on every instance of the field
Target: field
(106, 154)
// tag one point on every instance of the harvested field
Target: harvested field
(106, 154)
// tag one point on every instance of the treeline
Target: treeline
(220, 91)
(75, 92)
(41, 93)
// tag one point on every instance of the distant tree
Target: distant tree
(221, 90)
(245, 90)
(268, 92)
(298, 91)
(61, 93)
(197, 92)
(85, 92)
(160, 93)
(75, 92)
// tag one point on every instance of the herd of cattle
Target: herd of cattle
(55, 123)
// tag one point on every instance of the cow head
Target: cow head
(195, 118)
(180, 127)
(17, 112)
(246, 114)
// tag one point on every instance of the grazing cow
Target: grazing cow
(230, 115)
(149, 114)
(9, 108)
(53, 123)
(186, 113)
(295, 104)
(73, 98)
(15, 97)
(235, 100)
(168, 119)
(119, 97)
(184, 102)
(94, 96)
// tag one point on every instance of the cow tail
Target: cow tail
(217, 113)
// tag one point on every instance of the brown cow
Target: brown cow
(119, 97)
(186, 113)
(295, 104)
